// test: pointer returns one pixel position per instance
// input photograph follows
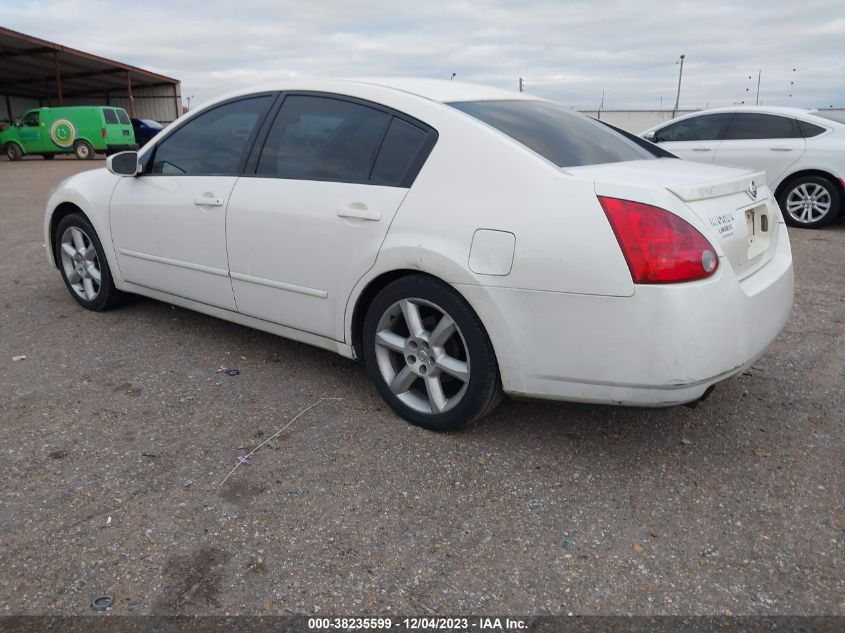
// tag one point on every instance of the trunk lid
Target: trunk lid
(741, 219)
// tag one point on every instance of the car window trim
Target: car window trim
(149, 159)
(413, 169)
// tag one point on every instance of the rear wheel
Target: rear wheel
(810, 202)
(13, 151)
(83, 150)
(429, 354)
(83, 264)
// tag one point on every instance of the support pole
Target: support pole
(129, 92)
(9, 109)
(176, 102)
(678, 96)
(58, 77)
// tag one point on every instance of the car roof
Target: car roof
(438, 90)
(758, 109)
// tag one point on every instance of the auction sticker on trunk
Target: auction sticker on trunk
(723, 223)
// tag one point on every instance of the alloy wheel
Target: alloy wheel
(422, 356)
(81, 263)
(808, 202)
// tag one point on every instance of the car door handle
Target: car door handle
(208, 200)
(359, 211)
(781, 148)
(701, 149)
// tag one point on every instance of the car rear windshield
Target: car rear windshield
(565, 138)
(123, 117)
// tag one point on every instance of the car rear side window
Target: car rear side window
(565, 138)
(213, 143)
(123, 117)
(749, 126)
(322, 138)
(111, 117)
(809, 130)
(402, 145)
(707, 127)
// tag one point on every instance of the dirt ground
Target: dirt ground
(116, 431)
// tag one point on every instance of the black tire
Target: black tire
(792, 213)
(108, 296)
(48, 156)
(83, 150)
(482, 389)
(13, 151)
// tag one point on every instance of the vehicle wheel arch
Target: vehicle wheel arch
(15, 143)
(374, 286)
(819, 173)
(63, 210)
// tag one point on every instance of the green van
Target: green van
(83, 130)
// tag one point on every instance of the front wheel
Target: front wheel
(83, 264)
(83, 150)
(810, 202)
(429, 354)
(13, 151)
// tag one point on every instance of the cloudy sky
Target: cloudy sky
(568, 51)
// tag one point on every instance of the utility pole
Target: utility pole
(678, 96)
(521, 85)
(759, 74)
(601, 105)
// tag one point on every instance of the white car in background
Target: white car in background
(462, 240)
(801, 151)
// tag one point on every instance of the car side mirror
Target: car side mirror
(123, 164)
(650, 136)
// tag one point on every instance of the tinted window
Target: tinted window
(809, 130)
(111, 117)
(319, 138)
(123, 117)
(401, 146)
(30, 120)
(565, 138)
(707, 127)
(648, 146)
(214, 142)
(747, 126)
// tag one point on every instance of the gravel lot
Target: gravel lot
(116, 431)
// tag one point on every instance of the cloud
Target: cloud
(566, 51)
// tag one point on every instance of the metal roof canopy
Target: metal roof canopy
(38, 69)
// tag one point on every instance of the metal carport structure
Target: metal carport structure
(36, 72)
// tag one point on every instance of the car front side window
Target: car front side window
(707, 127)
(30, 120)
(214, 143)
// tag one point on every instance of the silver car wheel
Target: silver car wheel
(422, 356)
(808, 202)
(81, 263)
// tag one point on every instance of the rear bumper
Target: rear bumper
(663, 346)
(114, 149)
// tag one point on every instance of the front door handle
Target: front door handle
(781, 148)
(701, 149)
(208, 200)
(358, 211)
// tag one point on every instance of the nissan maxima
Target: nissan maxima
(465, 242)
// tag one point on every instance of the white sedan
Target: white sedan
(801, 151)
(464, 241)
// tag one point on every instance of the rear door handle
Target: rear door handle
(781, 148)
(701, 149)
(208, 200)
(358, 211)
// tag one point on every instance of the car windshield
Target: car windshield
(563, 137)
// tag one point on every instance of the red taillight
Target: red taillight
(660, 247)
(104, 132)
